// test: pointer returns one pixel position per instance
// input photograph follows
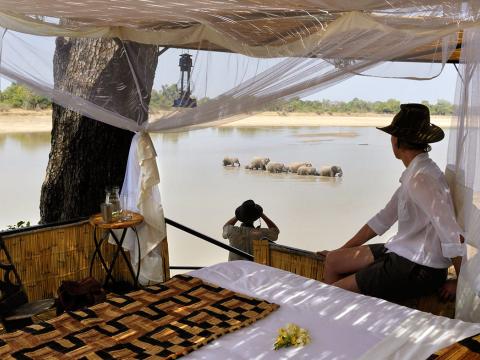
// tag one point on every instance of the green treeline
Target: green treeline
(163, 100)
(17, 96)
(355, 106)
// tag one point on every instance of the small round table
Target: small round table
(97, 222)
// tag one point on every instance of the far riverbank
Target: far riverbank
(23, 121)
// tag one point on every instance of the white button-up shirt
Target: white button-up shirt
(428, 233)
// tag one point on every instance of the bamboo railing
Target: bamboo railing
(311, 265)
(297, 261)
(45, 256)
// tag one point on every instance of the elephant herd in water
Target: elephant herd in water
(300, 168)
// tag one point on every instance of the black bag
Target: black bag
(74, 295)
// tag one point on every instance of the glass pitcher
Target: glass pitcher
(112, 196)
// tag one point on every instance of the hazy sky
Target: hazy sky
(222, 69)
(215, 73)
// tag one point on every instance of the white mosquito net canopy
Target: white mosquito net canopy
(293, 48)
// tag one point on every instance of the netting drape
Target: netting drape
(351, 44)
(463, 169)
(319, 43)
(183, 22)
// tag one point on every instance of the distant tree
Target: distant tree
(357, 105)
(442, 107)
(203, 100)
(393, 106)
(14, 95)
(163, 99)
(18, 96)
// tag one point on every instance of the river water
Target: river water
(312, 213)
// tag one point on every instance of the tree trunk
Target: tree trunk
(86, 155)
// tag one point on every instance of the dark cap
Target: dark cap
(248, 212)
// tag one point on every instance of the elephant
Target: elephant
(230, 161)
(307, 170)
(258, 163)
(293, 167)
(331, 171)
(274, 167)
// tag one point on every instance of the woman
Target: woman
(241, 237)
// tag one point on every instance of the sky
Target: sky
(222, 69)
(215, 73)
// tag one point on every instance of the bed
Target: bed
(342, 325)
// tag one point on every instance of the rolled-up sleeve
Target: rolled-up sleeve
(270, 234)
(386, 217)
(435, 200)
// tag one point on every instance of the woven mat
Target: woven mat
(467, 349)
(163, 322)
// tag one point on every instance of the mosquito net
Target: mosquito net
(290, 48)
(312, 58)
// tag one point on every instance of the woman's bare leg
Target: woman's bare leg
(343, 262)
(348, 283)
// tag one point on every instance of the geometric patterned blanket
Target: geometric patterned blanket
(164, 321)
(466, 349)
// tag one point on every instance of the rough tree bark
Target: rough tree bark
(87, 155)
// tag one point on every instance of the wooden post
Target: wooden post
(165, 259)
(261, 252)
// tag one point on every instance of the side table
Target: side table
(97, 222)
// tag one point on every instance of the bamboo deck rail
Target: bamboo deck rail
(297, 261)
(311, 265)
(44, 257)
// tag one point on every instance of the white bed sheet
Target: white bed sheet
(342, 325)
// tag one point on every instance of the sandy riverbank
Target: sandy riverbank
(22, 121)
(302, 120)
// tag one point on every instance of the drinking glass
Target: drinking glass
(126, 214)
(106, 210)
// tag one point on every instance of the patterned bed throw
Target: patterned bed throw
(467, 349)
(164, 321)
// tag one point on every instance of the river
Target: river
(312, 213)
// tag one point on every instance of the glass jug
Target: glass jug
(112, 196)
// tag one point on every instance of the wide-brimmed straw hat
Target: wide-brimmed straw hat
(412, 124)
(248, 212)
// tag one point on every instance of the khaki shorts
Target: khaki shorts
(393, 277)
